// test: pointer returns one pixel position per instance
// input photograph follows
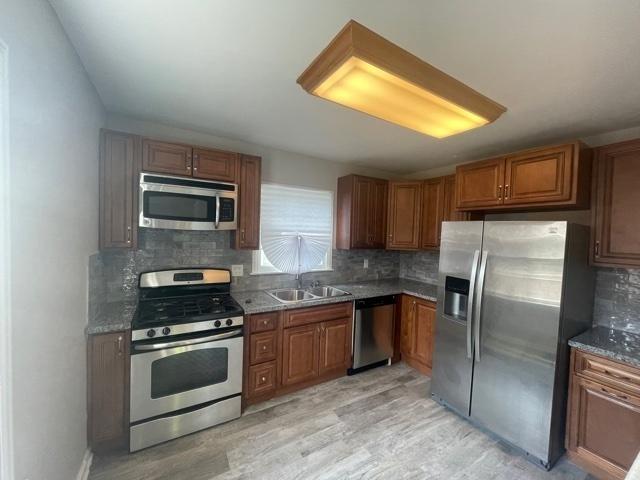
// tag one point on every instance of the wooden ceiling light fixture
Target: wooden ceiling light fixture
(364, 71)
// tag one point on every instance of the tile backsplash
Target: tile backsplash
(422, 265)
(114, 274)
(617, 299)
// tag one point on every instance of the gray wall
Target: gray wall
(55, 115)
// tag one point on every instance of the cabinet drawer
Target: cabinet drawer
(262, 379)
(608, 371)
(263, 347)
(264, 322)
(304, 316)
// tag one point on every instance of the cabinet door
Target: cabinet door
(432, 212)
(480, 184)
(539, 176)
(360, 211)
(616, 198)
(405, 204)
(423, 330)
(377, 207)
(107, 372)
(407, 311)
(335, 341)
(604, 426)
(119, 165)
(300, 347)
(450, 213)
(165, 157)
(248, 234)
(214, 165)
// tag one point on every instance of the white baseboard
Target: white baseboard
(85, 466)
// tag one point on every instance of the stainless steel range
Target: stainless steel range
(186, 355)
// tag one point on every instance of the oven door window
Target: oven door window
(188, 371)
(180, 207)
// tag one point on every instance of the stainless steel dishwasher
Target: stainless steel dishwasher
(373, 333)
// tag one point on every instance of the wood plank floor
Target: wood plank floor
(377, 425)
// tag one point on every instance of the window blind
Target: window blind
(296, 227)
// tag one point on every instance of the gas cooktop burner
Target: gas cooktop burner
(184, 301)
(172, 311)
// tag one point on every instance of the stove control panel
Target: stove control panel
(181, 329)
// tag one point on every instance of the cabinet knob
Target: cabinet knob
(264, 347)
(265, 322)
(597, 248)
(263, 379)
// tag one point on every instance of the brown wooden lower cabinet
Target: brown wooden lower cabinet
(603, 417)
(300, 349)
(107, 392)
(289, 350)
(417, 329)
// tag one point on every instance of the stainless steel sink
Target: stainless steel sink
(293, 295)
(327, 291)
(290, 295)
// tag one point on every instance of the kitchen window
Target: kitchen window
(296, 230)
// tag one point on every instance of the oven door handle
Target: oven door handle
(184, 343)
(217, 222)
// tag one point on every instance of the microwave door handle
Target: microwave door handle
(472, 288)
(184, 343)
(217, 222)
(478, 311)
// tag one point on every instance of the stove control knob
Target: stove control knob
(229, 322)
(166, 331)
(151, 333)
(217, 323)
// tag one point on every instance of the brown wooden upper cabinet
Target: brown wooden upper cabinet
(451, 214)
(480, 184)
(163, 157)
(404, 211)
(362, 212)
(615, 205)
(432, 212)
(541, 177)
(215, 165)
(249, 182)
(185, 160)
(119, 167)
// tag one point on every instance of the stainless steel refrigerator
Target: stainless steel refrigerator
(510, 295)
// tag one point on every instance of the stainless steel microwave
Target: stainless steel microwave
(179, 203)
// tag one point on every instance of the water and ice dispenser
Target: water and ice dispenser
(456, 296)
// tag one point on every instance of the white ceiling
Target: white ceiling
(563, 69)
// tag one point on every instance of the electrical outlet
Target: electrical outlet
(366, 263)
(237, 270)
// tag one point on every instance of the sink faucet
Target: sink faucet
(299, 281)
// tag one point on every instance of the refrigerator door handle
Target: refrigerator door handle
(478, 308)
(472, 289)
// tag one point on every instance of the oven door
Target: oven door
(170, 376)
(182, 204)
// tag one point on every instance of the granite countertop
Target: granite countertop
(257, 301)
(614, 344)
(114, 316)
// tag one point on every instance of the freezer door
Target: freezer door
(516, 339)
(460, 248)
